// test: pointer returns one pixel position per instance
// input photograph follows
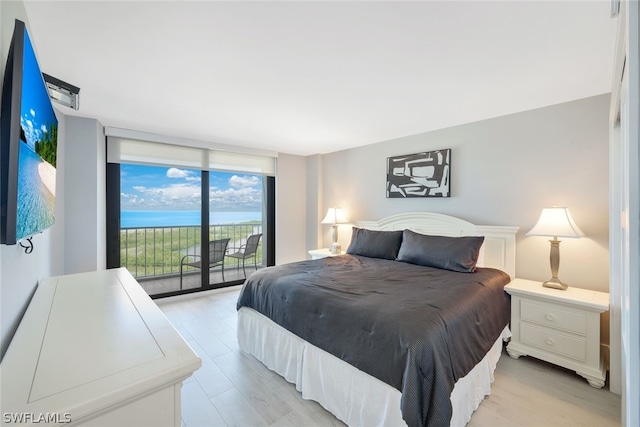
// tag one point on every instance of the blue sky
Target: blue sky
(36, 112)
(164, 188)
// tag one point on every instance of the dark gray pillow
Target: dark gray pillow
(374, 243)
(449, 253)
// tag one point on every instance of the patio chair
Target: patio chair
(248, 250)
(217, 251)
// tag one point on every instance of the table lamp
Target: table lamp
(555, 222)
(334, 217)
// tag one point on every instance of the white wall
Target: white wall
(20, 272)
(85, 189)
(504, 171)
(315, 212)
(76, 242)
(291, 208)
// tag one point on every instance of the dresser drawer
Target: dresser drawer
(554, 316)
(554, 342)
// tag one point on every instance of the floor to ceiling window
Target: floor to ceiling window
(179, 228)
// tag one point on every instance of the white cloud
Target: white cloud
(128, 200)
(186, 194)
(243, 181)
(236, 199)
(33, 112)
(177, 173)
(174, 196)
(180, 191)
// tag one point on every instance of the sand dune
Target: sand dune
(48, 177)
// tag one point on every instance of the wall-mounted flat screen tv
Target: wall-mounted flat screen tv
(29, 131)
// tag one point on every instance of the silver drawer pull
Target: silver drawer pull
(549, 341)
(549, 316)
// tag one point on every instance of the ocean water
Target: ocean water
(159, 218)
(35, 204)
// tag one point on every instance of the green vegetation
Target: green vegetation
(157, 251)
(47, 148)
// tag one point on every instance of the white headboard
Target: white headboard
(498, 250)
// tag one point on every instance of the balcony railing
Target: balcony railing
(156, 251)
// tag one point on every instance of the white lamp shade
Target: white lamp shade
(334, 216)
(555, 222)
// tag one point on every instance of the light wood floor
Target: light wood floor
(234, 389)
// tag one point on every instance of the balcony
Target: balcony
(153, 254)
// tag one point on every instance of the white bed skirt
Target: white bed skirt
(356, 398)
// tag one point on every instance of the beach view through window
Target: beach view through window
(160, 219)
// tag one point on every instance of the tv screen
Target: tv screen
(29, 132)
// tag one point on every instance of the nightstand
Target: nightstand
(322, 253)
(560, 327)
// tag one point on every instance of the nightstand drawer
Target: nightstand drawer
(554, 316)
(555, 342)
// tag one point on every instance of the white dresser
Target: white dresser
(94, 350)
(560, 327)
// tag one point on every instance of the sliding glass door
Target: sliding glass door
(184, 218)
(176, 221)
(160, 223)
(237, 213)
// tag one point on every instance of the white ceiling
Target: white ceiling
(316, 77)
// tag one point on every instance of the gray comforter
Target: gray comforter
(418, 329)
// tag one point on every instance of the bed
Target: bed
(406, 329)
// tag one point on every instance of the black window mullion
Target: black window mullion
(113, 215)
(270, 232)
(204, 230)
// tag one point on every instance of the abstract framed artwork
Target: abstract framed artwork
(419, 175)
